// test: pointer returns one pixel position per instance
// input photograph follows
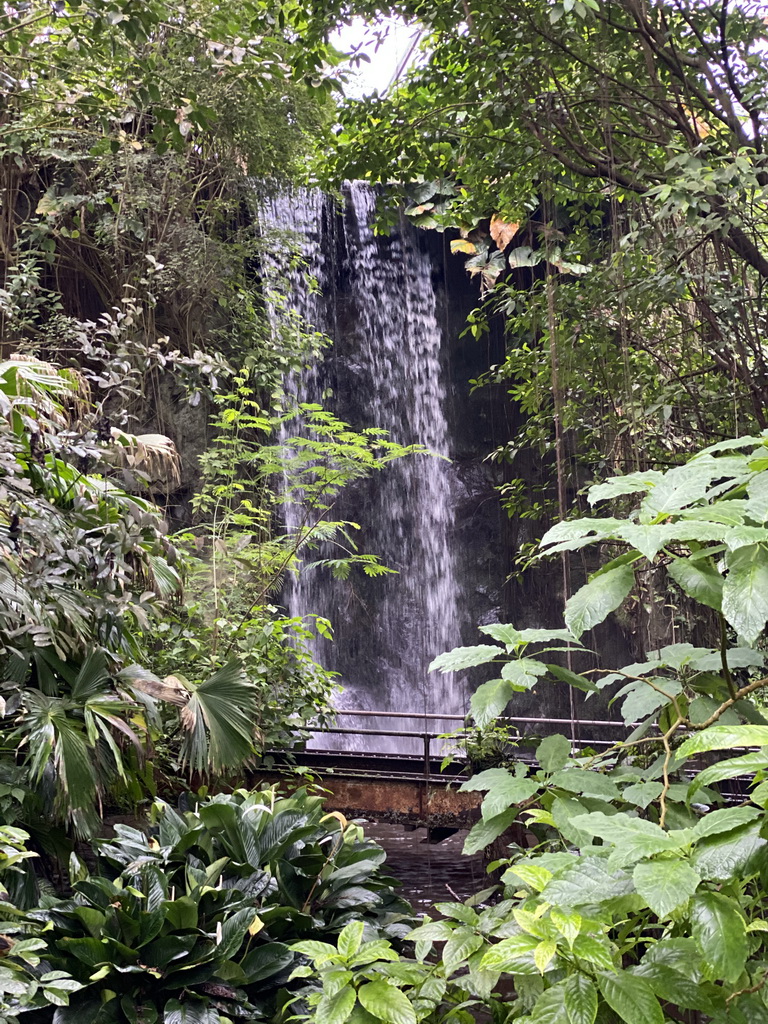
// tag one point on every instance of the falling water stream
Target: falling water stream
(374, 297)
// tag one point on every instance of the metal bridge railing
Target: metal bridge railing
(426, 736)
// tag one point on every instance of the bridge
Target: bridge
(415, 790)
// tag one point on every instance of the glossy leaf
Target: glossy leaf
(665, 884)
(720, 933)
(589, 606)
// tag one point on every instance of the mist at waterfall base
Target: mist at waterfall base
(377, 298)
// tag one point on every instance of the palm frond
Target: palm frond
(226, 706)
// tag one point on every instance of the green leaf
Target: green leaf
(513, 955)
(593, 950)
(580, 999)
(92, 679)
(459, 912)
(588, 783)
(723, 737)
(757, 489)
(465, 657)
(589, 606)
(724, 820)
(631, 997)
(588, 881)
(665, 885)
(512, 637)
(350, 938)
(745, 591)
(673, 987)
(642, 793)
(544, 954)
(336, 1008)
(387, 1003)
(720, 934)
(731, 855)
(92, 952)
(549, 1008)
(320, 952)
(225, 706)
(191, 1011)
(504, 794)
(634, 838)
(553, 752)
(699, 580)
(490, 700)
(643, 700)
(647, 538)
(572, 678)
(524, 673)
(462, 943)
(630, 483)
(484, 832)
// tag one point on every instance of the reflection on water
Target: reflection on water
(430, 872)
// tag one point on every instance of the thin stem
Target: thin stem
(724, 658)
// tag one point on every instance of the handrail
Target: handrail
(461, 718)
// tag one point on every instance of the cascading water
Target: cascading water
(374, 296)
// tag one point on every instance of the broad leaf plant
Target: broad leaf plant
(633, 879)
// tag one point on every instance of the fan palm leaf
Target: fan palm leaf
(218, 720)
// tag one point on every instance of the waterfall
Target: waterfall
(375, 297)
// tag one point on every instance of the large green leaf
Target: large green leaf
(486, 831)
(513, 955)
(266, 961)
(720, 934)
(587, 882)
(724, 737)
(489, 700)
(643, 700)
(631, 997)
(504, 790)
(665, 885)
(191, 1011)
(507, 634)
(334, 1009)
(387, 1003)
(745, 591)
(550, 1007)
(630, 483)
(350, 938)
(698, 579)
(731, 855)
(524, 673)
(730, 768)
(757, 489)
(92, 678)
(633, 838)
(590, 784)
(679, 487)
(565, 675)
(224, 705)
(589, 606)
(553, 752)
(462, 943)
(724, 820)
(465, 657)
(673, 987)
(580, 999)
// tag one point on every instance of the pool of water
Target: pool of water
(430, 872)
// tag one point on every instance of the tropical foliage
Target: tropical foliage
(633, 885)
(599, 167)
